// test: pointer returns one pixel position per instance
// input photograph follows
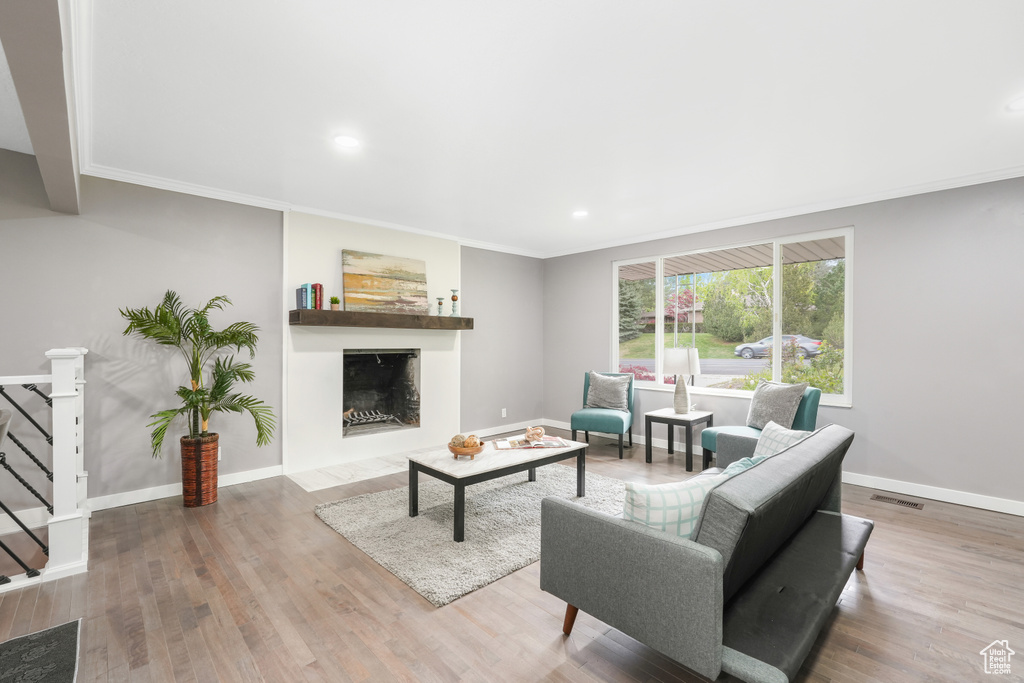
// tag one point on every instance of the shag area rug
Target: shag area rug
(50, 655)
(502, 527)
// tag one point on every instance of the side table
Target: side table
(673, 419)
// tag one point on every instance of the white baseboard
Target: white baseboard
(974, 500)
(250, 475)
(33, 518)
(501, 429)
(166, 491)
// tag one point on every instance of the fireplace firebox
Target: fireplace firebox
(380, 390)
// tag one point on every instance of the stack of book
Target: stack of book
(310, 295)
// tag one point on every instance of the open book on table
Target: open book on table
(521, 442)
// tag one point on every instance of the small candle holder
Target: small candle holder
(455, 304)
(440, 304)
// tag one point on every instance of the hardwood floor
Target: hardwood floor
(255, 588)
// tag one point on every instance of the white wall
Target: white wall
(936, 279)
(314, 356)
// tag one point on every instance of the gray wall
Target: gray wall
(936, 283)
(63, 279)
(503, 356)
(935, 280)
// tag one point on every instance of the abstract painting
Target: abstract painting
(384, 284)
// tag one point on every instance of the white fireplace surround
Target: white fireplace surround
(314, 356)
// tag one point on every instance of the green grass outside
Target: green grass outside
(707, 345)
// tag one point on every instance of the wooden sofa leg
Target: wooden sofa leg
(574, 435)
(570, 618)
(620, 446)
(860, 562)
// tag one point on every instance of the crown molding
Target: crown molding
(157, 182)
(806, 209)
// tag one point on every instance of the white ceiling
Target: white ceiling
(492, 121)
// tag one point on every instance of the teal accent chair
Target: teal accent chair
(604, 420)
(805, 419)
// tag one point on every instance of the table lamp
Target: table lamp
(681, 362)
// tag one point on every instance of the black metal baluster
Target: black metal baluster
(49, 475)
(24, 528)
(49, 438)
(28, 570)
(34, 388)
(19, 444)
(6, 466)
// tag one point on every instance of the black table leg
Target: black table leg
(460, 513)
(581, 471)
(707, 453)
(689, 447)
(533, 474)
(414, 491)
(671, 438)
(647, 437)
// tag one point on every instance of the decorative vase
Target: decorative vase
(199, 470)
(681, 400)
(455, 304)
(440, 304)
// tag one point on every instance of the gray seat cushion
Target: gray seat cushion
(750, 516)
(780, 612)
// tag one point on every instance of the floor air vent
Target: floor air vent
(898, 501)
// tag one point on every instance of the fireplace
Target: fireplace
(380, 390)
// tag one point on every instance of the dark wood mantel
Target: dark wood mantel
(319, 318)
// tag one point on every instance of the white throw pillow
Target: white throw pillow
(775, 438)
(673, 508)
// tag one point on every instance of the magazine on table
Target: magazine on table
(521, 442)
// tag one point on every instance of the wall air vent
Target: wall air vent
(898, 501)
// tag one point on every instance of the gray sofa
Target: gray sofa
(749, 593)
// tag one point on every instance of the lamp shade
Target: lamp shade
(681, 362)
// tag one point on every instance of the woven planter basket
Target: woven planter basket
(199, 470)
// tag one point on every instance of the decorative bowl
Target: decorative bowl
(457, 451)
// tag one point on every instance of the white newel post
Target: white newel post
(83, 476)
(67, 529)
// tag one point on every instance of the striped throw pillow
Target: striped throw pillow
(673, 508)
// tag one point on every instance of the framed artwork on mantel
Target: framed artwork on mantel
(384, 284)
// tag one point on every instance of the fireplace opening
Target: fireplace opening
(380, 390)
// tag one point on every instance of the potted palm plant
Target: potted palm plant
(212, 377)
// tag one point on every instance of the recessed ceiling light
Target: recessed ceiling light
(1016, 105)
(580, 213)
(346, 142)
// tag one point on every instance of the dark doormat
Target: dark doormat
(49, 656)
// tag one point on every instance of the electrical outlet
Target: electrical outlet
(503, 412)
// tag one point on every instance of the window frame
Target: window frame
(847, 233)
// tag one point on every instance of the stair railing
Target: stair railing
(68, 529)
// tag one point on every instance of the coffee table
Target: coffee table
(488, 464)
